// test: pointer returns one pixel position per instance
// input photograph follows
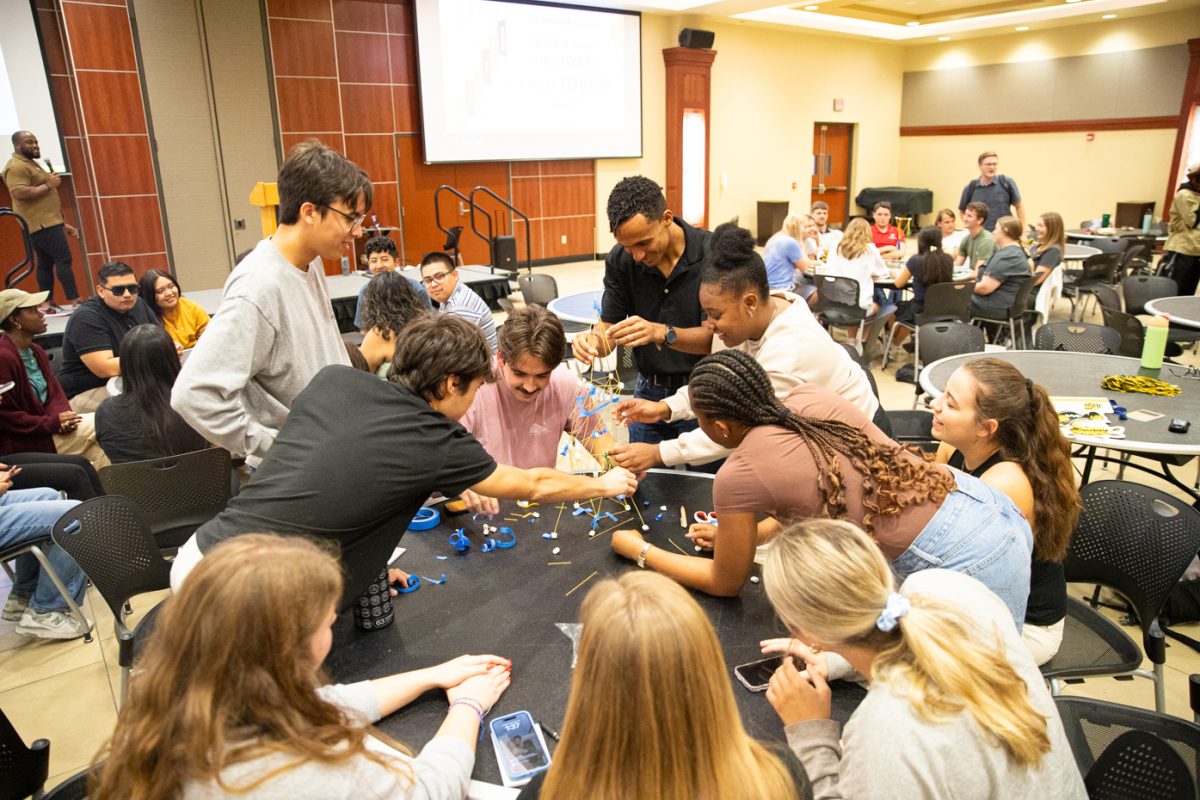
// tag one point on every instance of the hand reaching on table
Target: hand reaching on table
(638, 410)
(454, 672)
(480, 504)
(396, 576)
(618, 480)
(585, 347)
(703, 535)
(636, 456)
(813, 662)
(484, 689)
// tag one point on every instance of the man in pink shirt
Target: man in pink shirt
(520, 418)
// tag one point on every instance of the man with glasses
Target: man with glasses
(998, 192)
(440, 278)
(94, 333)
(381, 257)
(275, 327)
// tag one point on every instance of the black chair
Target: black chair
(837, 305)
(175, 494)
(1127, 752)
(453, 235)
(111, 542)
(23, 770)
(537, 289)
(938, 340)
(73, 788)
(1140, 289)
(1014, 314)
(1129, 328)
(1107, 297)
(1078, 337)
(1109, 245)
(944, 302)
(1137, 541)
(1138, 257)
(1096, 270)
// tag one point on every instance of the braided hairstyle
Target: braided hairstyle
(732, 385)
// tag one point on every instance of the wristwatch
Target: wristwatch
(641, 559)
(669, 338)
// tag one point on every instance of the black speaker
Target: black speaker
(504, 253)
(696, 38)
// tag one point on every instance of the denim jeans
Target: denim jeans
(978, 532)
(653, 433)
(28, 515)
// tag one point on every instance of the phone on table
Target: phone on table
(756, 675)
(520, 749)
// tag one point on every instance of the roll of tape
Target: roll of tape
(425, 519)
(506, 539)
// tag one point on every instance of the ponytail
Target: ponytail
(828, 578)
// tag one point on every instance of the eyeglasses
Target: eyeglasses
(355, 221)
(438, 278)
(119, 291)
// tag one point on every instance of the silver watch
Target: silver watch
(641, 559)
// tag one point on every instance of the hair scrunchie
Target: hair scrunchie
(897, 607)
(1029, 387)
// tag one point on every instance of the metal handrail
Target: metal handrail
(437, 211)
(15, 275)
(514, 210)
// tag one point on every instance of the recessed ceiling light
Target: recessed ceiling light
(943, 38)
(912, 24)
(1109, 16)
(1022, 28)
(811, 8)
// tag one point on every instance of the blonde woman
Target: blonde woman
(1047, 253)
(651, 712)
(229, 703)
(793, 248)
(856, 257)
(955, 706)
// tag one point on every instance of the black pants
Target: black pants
(1185, 270)
(50, 245)
(71, 474)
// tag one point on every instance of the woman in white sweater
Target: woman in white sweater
(228, 700)
(856, 257)
(955, 706)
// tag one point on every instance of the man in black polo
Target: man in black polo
(651, 299)
(94, 333)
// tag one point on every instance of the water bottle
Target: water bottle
(345, 265)
(1155, 344)
(1146, 223)
(373, 610)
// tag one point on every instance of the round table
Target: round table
(1078, 252)
(1109, 233)
(511, 602)
(1182, 310)
(579, 307)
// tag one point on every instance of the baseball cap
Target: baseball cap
(12, 299)
(1193, 168)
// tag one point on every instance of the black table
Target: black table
(509, 602)
(1182, 310)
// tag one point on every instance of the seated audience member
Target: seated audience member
(816, 455)
(930, 265)
(183, 319)
(856, 257)
(387, 304)
(1003, 429)
(1047, 253)
(276, 328)
(955, 706)
(35, 415)
(951, 236)
(453, 296)
(886, 237)
(357, 452)
(382, 258)
(774, 328)
(791, 252)
(520, 418)
(94, 333)
(139, 423)
(640, 634)
(827, 237)
(978, 245)
(35, 604)
(998, 281)
(222, 708)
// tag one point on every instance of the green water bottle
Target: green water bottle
(1155, 344)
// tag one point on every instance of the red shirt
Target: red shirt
(892, 237)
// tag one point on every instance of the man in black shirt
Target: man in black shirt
(357, 456)
(651, 299)
(94, 333)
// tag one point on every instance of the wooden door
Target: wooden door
(419, 182)
(832, 143)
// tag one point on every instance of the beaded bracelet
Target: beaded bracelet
(475, 706)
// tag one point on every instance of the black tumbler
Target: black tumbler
(373, 610)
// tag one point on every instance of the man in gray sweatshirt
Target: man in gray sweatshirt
(275, 328)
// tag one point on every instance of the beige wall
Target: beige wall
(763, 110)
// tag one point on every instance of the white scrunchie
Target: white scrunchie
(897, 606)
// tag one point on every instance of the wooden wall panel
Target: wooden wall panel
(300, 48)
(100, 38)
(366, 108)
(375, 154)
(308, 104)
(359, 15)
(568, 195)
(406, 108)
(299, 9)
(361, 59)
(111, 102)
(132, 226)
(122, 165)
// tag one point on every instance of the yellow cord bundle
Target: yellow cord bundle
(1139, 383)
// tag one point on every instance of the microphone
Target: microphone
(49, 166)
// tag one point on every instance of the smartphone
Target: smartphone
(756, 675)
(6, 386)
(520, 749)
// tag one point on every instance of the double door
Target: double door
(832, 145)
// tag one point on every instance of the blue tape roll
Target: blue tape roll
(414, 583)
(506, 539)
(425, 519)
(459, 541)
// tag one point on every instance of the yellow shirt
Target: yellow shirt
(187, 323)
(45, 211)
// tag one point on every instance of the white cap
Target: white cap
(1193, 168)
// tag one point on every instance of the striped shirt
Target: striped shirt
(470, 306)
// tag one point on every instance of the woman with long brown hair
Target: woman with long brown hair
(955, 707)
(652, 713)
(228, 699)
(999, 426)
(857, 257)
(816, 455)
(1047, 252)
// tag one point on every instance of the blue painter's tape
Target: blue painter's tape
(425, 519)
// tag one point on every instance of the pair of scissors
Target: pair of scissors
(705, 517)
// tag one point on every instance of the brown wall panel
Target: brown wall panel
(79, 165)
(580, 233)
(359, 15)
(140, 264)
(399, 18)
(56, 56)
(63, 94)
(374, 154)
(332, 140)
(576, 167)
(122, 165)
(308, 104)
(535, 233)
(299, 9)
(90, 223)
(386, 205)
(362, 57)
(112, 102)
(526, 168)
(132, 224)
(120, 3)
(568, 196)
(403, 59)
(302, 48)
(527, 196)
(407, 113)
(366, 108)
(100, 37)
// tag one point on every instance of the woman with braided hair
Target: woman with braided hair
(996, 424)
(955, 706)
(816, 455)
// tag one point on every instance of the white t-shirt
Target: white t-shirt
(865, 269)
(950, 243)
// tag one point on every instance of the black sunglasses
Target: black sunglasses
(119, 291)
